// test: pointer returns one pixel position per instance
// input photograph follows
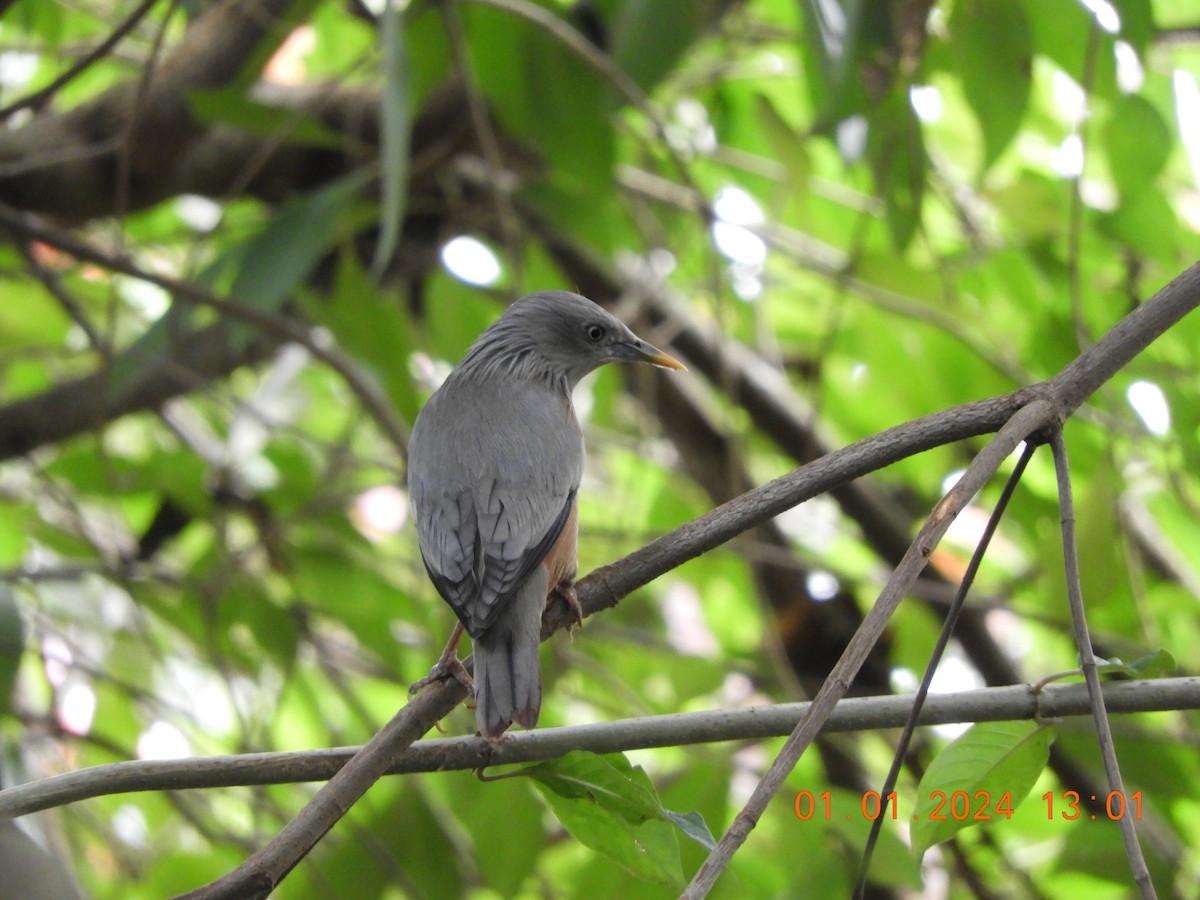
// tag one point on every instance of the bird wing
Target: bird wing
(491, 492)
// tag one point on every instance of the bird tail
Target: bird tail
(508, 680)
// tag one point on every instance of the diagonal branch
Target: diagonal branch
(935, 657)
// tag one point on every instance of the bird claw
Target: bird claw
(445, 668)
(565, 590)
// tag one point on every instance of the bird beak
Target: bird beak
(640, 351)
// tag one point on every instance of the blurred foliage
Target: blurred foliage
(894, 207)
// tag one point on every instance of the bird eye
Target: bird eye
(594, 333)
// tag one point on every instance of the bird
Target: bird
(495, 459)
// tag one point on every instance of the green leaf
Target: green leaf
(271, 265)
(649, 850)
(419, 841)
(693, 825)
(1097, 851)
(649, 36)
(276, 260)
(376, 331)
(990, 761)
(1066, 32)
(615, 784)
(1138, 142)
(898, 159)
(1137, 23)
(1036, 202)
(507, 808)
(1097, 533)
(546, 94)
(1146, 223)
(611, 807)
(836, 49)
(992, 45)
(588, 776)
(786, 144)
(397, 132)
(429, 70)
(560, 108)
(326, 573)
(1158, 664)
(26, 318)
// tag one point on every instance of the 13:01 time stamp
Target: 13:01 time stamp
(1116, 805)
(962, 806)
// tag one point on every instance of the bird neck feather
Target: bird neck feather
(501, 353)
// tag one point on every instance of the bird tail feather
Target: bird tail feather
(508, 680)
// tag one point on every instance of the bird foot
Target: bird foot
(447, 666)
(451, 667)
(565, 590)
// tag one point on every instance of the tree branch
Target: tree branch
(682, 729)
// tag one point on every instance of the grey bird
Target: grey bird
(494, 465)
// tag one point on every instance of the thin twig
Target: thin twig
(1087, 659)
(52, 282)
(40, 96)
(935, 657)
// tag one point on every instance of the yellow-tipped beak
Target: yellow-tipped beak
(637, 350)
(664, 361)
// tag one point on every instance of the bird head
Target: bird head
(563, 334)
